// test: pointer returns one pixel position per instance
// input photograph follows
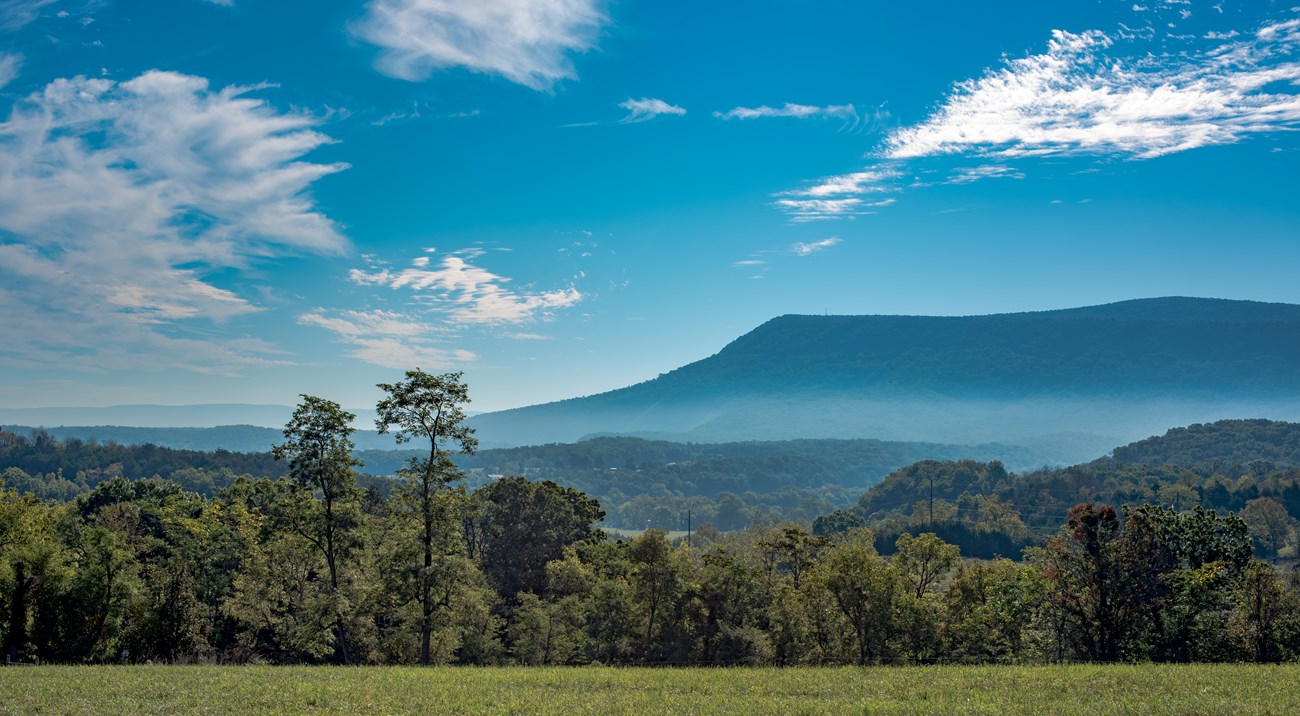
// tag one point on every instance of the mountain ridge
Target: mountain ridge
(1183, 359)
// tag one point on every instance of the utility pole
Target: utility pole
(688, 528)
(931, 503)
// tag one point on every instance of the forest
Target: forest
(941, 561)
(640, 482)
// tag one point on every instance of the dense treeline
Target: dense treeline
(642, 483)
(991, 512)
(234, 438)
(650, 483)
(141, 570)
(317, 565)
(63, 468)
(846, 461)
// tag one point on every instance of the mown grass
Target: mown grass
(1076, 689)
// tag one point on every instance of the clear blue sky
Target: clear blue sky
(243, 200)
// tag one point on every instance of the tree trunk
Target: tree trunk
(16, 636)
(331, 561)
(426, 595)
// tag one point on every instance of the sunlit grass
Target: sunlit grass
(1080, 689)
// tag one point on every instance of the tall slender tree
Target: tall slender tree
(318, 446)
(428, 407)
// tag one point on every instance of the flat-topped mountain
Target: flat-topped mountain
(1095, 375)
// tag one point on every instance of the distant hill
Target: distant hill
(803, 462)
(173, 416)
(1103, 374)
(1228, 466)
(1225, 441)
(235, 438)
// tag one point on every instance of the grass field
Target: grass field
(1077, 689)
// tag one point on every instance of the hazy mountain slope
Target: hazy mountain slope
(1122, 370)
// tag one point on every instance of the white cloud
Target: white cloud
(856, 183)
(1073, 100)
(1279, 31)
(803, 249)
(10, 65)
(838, 197)
(468, 294)
(991, 171)
(646, 108)
(395, 117)
(360, 324)
(797, 111)
(14, 14)
(119, 200)
(821, 209)
(1088, 95)
(526, 41)
(387, 339)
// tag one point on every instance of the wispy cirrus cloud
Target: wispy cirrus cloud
(1093, 94)
(842, 196)
(465, 294)
(874, 180)
(647, 108)
(807, 249)
(1073, 100)
(789, 109)
(14, 14)
(801, 210)
(528, 43)
(968, 175)
(119, 201)
(10, 65)
(388, 339)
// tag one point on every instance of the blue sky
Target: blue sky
(243, 200)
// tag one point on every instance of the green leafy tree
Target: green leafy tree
(790, 550)
(1180, 570)
(990, 610)
(284, 611)
(519, 526)
(869, 593)
(26, 543)
(1263, 612)
(729, 592)
(326, 507)
(1088, 586)
(924, 560)
(1270, 525)
(660, 579)
(548, 632)
(428, 407)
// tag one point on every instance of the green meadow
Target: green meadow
(1072, 689)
